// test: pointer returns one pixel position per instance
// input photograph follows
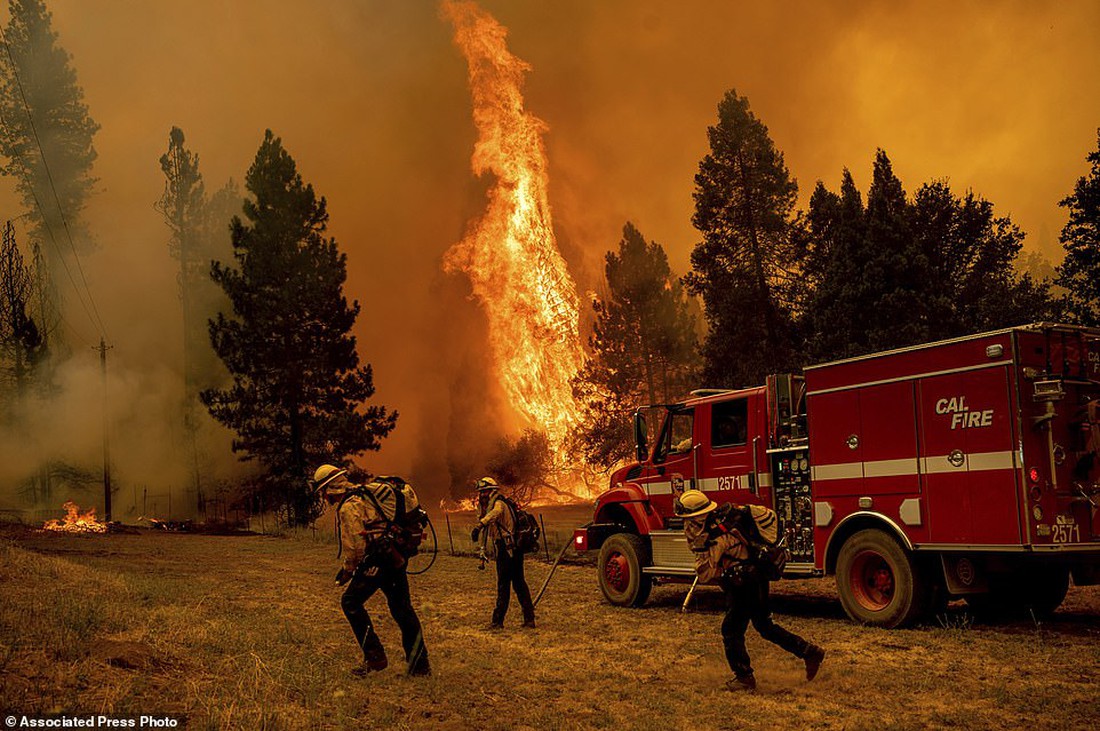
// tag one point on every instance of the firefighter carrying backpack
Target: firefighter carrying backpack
(406, 520)
(525, 535)
(759, 526)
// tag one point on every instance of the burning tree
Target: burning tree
(298, 391)
(510, 254)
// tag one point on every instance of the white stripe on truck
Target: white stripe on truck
(979, 462)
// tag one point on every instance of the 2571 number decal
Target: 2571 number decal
(1065, 533)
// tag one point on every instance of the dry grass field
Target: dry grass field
(246, 632)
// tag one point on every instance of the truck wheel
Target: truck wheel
(878, 582)
(1047, 591)
(622, 557)
(1037, 589)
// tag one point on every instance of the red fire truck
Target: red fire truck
(961, 468)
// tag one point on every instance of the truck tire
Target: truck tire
(620, 564)
(1047, 591)
(1033, 589)
(878, 582)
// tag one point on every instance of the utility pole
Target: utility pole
(106, 441)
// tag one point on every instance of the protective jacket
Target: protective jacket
(713, 555)
(497, 524)
(360, 524)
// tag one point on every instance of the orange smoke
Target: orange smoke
(510, 255)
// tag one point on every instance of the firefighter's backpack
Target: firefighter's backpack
(525, 535)
(406, 520)
(769, 553)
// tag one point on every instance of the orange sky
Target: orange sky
(370, 98)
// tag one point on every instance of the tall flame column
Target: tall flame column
(510, 254)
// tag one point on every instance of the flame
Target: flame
(510, 255)
(457, 506)
(75, 521)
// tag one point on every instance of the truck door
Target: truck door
(674, 457)
(968, 458)
(726, 470)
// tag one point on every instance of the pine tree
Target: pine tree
(833, 268)
(642, 349)
(1080, 270)
(20, 338)
(743, 269)
(198, 234)
(973, 284)
(894, 267)
(36, 75)
(897, 273)
(298, 393)
(182, 205)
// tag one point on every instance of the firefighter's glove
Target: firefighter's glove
(343, 576)
(475, 533)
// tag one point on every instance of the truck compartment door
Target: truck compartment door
(968, 461)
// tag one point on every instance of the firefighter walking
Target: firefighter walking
(722, 552)
(495, 533)
(372, 562)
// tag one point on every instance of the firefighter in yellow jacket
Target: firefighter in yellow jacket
(370, 563)
(722, 553)
(495, 530)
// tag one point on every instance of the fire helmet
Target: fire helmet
(486, 483)
(692, 504)
(323, 477)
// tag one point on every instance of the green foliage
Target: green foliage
(642, 349)
(298, 392)
(744, 269)
(900, 272)
(1080, 270)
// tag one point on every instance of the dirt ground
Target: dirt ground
(246, 632)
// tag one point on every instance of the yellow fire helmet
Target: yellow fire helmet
(693, 503)
(486, 483)
(324, 476)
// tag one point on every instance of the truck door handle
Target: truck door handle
(752, 477)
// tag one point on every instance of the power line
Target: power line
(57, 200)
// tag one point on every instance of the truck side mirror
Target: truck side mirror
(640, 436)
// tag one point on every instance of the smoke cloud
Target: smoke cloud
(371, 99)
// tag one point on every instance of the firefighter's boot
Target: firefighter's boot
(814, 656)
(742, 683)
(420, 667)
(374, 655)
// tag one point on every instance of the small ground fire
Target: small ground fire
(75, 521)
